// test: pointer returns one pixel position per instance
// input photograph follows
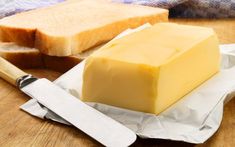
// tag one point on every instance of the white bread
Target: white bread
(22, 57)
(25, 58)
(63, 64)
(71, 27)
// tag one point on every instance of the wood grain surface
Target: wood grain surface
(17, 128)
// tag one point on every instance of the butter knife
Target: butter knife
(92, 122)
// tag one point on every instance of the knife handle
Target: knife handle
(9, 72)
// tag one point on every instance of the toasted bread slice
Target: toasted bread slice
(70, 27)
(25, 58)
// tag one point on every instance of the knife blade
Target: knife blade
(92, 122)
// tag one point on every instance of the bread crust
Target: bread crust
(23, 59)
(23, 37)
(28, 58)
(60, 64)
(39, 36)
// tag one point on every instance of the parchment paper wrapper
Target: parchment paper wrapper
(193, 119)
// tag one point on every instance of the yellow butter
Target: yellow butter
(152, 69)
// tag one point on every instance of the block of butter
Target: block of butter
(151, 69)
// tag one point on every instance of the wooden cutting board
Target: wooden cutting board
(17, 128)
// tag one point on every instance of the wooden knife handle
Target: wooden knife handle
(9, 72)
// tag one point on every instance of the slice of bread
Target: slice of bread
(63, 64)
(22, 57)
(70, 27)
(25, 58)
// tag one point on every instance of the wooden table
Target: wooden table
(17, 128)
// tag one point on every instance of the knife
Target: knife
(92, 122)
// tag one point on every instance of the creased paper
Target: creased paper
(193, 119)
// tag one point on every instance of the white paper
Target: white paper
(89, 120)
(36, 109)
(193, 119)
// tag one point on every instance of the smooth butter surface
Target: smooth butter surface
(152, 69)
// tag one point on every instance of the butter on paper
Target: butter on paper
(193, 119)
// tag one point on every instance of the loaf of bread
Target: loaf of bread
(70, 27)
(25, 58)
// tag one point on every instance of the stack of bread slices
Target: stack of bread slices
(60, 36)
